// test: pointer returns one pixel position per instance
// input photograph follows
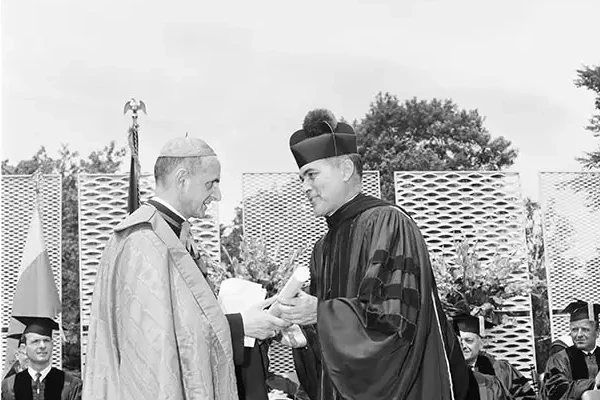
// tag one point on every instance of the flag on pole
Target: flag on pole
(35, 294)
(133, 193)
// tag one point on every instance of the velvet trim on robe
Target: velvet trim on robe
(490, 387)
(381, 332)
(579, 367)
(58, 385)
(560, 382)
(156, 328)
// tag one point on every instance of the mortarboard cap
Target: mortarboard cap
(583, 310)
(40, 325)
(322, 137)
(470, 323)
(186, 147)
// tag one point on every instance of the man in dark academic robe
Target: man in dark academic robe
(157, 330)
(373, 320)
(471, 331)
(575, 370)
(562, 343)
(490, 387)
(40, 381)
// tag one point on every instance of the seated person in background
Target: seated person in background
(490, 387)
(563, 342)
(470, 331)
(574, 370)
(40, 380)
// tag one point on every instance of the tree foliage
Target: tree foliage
(69, 165)
(589, 78)
(231, 238)
(426, 136)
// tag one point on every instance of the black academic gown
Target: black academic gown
(380, 332)
(251, 364)
(58, 385)
(513, 381)
(568, 375)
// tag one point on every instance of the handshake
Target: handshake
(280, 316)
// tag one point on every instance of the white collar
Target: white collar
(170, 207)
(44, 372)
(589, 353)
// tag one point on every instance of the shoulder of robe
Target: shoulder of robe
(142, 215)
(386, 211)
(489, 357)
(559, 356)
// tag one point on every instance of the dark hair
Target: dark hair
(166, 165)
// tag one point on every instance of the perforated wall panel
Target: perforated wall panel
(18, 196)
(276, 211)
(281, 360)
(570, 203)
(485, 207)
(102, 205)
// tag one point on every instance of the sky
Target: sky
(241, 75)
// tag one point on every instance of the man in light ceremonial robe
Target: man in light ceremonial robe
(156, 329)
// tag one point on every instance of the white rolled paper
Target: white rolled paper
(300, 276)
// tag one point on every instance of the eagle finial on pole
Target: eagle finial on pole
(133, 200)
(134, 106)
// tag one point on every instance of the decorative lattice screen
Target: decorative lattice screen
(18, 195)
(570, 204)
(278, 213)
(102, 205)
(487, 209)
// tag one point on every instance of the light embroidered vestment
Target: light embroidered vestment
(156, 328)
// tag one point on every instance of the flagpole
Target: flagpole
(133, 198)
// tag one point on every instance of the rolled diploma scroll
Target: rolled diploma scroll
(293, 336)
(295, 283)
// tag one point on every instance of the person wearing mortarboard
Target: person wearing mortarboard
(574, 370)
(156, 328)
(471, 331)
(40, 381)
(563, 342)
(373, 319)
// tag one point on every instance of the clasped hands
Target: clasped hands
(262, 324)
